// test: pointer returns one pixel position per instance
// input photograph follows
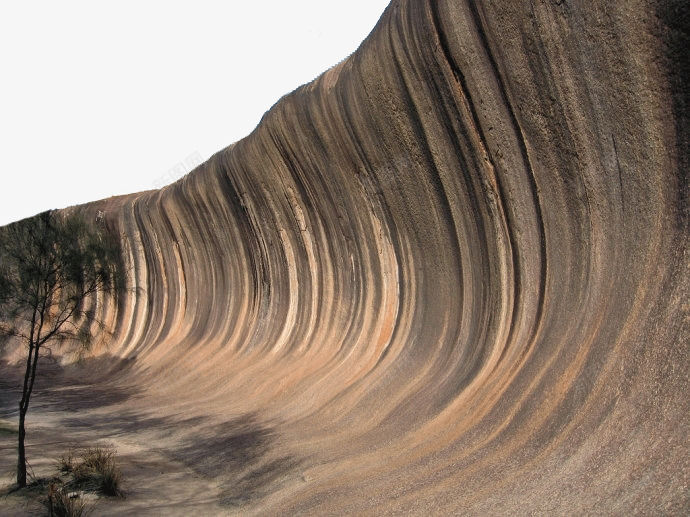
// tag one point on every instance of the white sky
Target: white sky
(100, 99)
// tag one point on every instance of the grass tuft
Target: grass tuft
(66, 504)
(97, 471)
(65, 465)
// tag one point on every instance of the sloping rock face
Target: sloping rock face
(448, 276)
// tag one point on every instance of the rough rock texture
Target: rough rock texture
(448, 276)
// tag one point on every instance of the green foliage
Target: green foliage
(49, 265)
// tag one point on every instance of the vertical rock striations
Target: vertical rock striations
(452, 270)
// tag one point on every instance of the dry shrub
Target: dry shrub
(65, 504)
(65, 464)
(97, 471)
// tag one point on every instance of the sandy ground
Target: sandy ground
(67, 413)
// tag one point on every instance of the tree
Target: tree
(52, 266)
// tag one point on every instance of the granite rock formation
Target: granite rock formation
(448, 276)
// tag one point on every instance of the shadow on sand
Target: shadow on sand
(237, 454)
(70, 389)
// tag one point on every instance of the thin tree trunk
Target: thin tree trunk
(29, 378)
(23, 406)
(21, 458)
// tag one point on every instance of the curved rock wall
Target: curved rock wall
(451, 273)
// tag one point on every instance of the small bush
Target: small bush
(65, 464)
(97, 471)
(65, 504)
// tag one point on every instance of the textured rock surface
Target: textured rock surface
(450, 275)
